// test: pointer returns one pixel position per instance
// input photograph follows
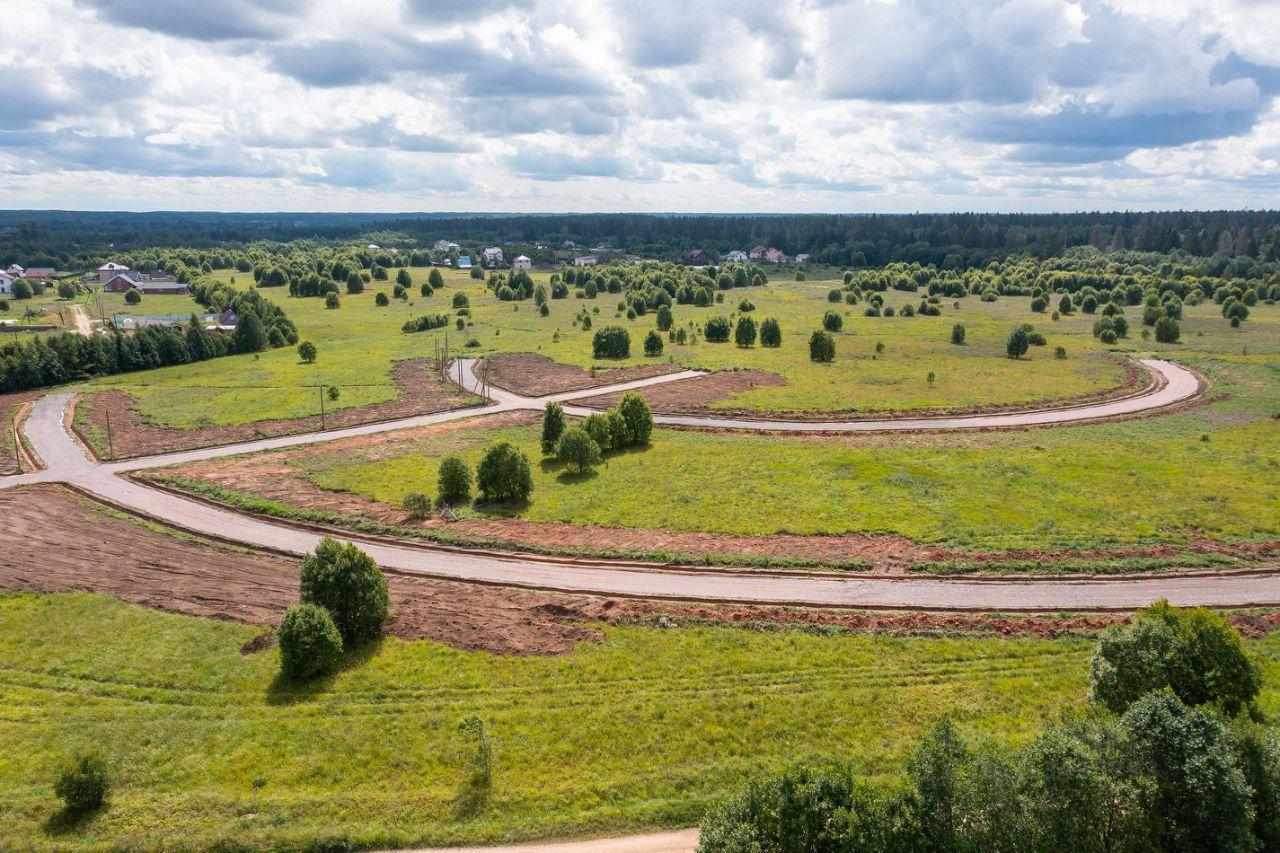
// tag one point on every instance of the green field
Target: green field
(641, 730)
(359, 341)
(1051, 488)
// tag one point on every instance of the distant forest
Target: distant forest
(67, 239)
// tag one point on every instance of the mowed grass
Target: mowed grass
(641, 730)
(359, 342)
(1154, 480)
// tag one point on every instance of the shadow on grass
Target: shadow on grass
(287, 691)
(67, 820)
(569, 477)
(499, 509)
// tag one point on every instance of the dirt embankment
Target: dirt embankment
(419, 388)
(89, 548)
(534, 375)
(694, 396)
(11, 406)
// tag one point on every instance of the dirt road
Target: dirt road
(68, 463)
(684, 841)
(81, 319)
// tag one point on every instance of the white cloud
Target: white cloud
(569, 104)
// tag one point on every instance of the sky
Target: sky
(660, 105)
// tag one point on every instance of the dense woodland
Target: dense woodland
(954, 241)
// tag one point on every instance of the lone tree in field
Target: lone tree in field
(832, 321)
(310, 644)
(307, 352)
(504, 474)
(552, 427)
(744, 334)
(653, 344)
(664, 318)
(82, 784)
(454, 484)
(403, 278)
(347, 582)
(578, 451)
(822, 347)
(22, 290)
(1064, 305)
(716, 330)
(957, 334)
(355, 283)
(770, 333)
(638, 418)
(1019, 343)
(611, 342)
(1167, 331)
(435, 279)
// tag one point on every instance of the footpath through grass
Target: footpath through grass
(639, 731)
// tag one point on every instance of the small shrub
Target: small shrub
(653, 344)
(552, 427)
(638, 418)
(1167, 331)
(460, 300)
(833, 295)
(716, 330)
(82, 783)
(331, 300)
(577, 450)
(611, 342)
(380, 299)
(597, 427)
(1059, 352)
(418, 505)
(770, 333)
(822, 347)
(307, 352)
(453, 483)
(504, 473)
(310, 644)
(664, 318)
(957, 334)
(832, 321)
(131, 296)
(347, 582)
(1019, 342)
(744, 334)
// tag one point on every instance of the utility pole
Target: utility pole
(111, 447)
(320, 388)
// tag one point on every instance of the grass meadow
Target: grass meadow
(359, 341)
(641, 730)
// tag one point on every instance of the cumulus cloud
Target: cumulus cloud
(724, 104)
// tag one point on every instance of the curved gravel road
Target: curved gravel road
(67, 462)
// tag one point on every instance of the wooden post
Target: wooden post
(320, 388)
(111, 448)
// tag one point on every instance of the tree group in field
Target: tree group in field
(1169, 760)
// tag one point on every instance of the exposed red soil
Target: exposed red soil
(89, 549)
(10, 406)
(536, 375)
(695, 396)
(419, 392)
(181, 575)
(1194, 545)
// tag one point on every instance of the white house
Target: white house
(14, 271)
(737, 256)
(522, 262)
(585, 261)
(6, 284)
(492, 256)
(445, 246)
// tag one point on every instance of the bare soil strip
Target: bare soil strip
(532, 375)
(419, 392)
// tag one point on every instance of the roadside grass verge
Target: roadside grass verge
(639, 731)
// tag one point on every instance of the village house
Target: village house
(446, 246)
(492, 256)
(120, 282)
(14, 271)
(6, 284)
(775, 256)
(464, 262)
(585, 261)
(697, 258)
(802, 259)
(41, 272)
(110, 270)
(522, 262)
(737, 256)
(758, 253)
